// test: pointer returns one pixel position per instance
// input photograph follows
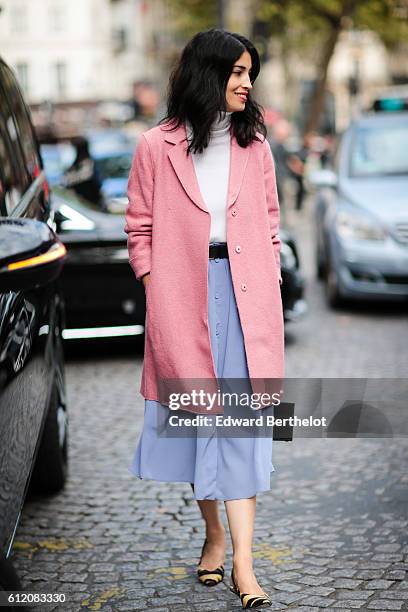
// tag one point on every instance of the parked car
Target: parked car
(361, 212)
(102, 296)
(33, 411)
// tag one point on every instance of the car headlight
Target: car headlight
(355, 226)
(287, 256)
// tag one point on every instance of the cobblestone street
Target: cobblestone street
(330, 535)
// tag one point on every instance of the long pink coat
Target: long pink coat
(168, 227)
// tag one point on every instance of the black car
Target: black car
(102, 297)
(33, 416)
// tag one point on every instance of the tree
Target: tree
(304, 24)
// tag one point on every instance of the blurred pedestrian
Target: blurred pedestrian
(134, 101)
(280, 134)
(82, 176)
(297, 164)
(208, 167)
(327, 154)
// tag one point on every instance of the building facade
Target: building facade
(74, 51)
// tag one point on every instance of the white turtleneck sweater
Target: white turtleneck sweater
(212, 170)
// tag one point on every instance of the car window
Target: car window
(379, 150)
(22, 122)
(13, 177)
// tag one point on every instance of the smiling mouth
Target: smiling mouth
(242, 96)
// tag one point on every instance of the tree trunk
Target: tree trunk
(318, 97)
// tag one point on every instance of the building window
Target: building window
(57, 16)
(18, 17)
(61, 79)
(120, 40)
(22, 76)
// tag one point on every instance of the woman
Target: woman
(202, 225)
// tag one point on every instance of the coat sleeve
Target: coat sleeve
(272, 203)
(139, 211)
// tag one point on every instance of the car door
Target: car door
(27, 317)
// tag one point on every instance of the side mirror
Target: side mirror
(31, 254)
(323, 178)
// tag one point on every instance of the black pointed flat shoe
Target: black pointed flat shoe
(249, 600)
(210, 577)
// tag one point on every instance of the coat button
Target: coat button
(243, 287)
(234, 212)
(238, 248)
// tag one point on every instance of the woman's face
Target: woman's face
(239, 83)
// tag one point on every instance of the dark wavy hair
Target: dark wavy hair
(197, 88)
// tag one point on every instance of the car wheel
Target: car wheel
(333, 295)
(9, 581)
(51, 466)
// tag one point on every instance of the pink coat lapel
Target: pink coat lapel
(184, 167)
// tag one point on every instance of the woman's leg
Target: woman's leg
(241, 519)
(214, 551)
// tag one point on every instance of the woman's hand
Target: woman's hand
(146, 279)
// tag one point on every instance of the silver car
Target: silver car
(361, 212)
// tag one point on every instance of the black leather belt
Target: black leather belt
(218, 251)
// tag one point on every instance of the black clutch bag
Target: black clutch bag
(284, 431)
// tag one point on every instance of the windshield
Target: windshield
(379, 150)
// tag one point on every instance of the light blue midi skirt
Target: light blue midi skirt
(220, 467)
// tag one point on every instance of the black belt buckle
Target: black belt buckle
(218, 251)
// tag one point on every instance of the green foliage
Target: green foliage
(300, 23)
(192, 16)
(387, 18)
